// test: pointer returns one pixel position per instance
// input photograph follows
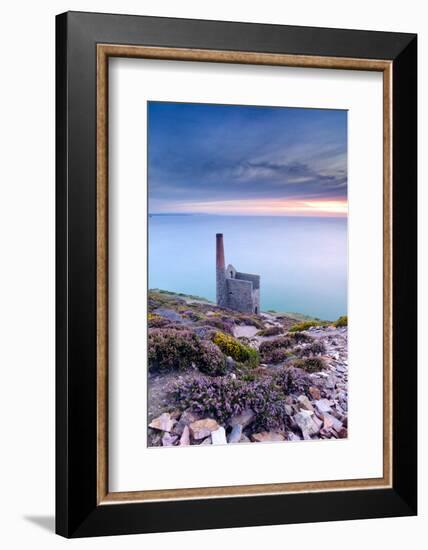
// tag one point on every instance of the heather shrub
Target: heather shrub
(282, 342)
(171, 349)
(248, 320)
(235, 349)
(156, 321)
(158, 299)
(210, 359)
(300, 337)
(271, 331)
(315, 348)
(192, 315)
(307, 324)
(222, 398)
(268, 349)
(311, 364)
(178, 326)
(342, 321)
(293, 380)
(277, 355)
(219, 324)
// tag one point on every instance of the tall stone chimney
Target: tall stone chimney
(221, 291)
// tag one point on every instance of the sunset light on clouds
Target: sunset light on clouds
(266, 207)
(243, 160)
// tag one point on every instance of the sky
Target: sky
(246, 160)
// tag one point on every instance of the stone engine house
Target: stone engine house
(235, 290)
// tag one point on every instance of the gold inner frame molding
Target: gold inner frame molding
(104, 52)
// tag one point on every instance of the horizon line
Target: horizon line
(231, 214)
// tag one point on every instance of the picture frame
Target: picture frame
(84, 44)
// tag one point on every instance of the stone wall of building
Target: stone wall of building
(221, 288)
(256, 300)
(240, 295)
(255, 279)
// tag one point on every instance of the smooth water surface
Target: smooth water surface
(302, 261)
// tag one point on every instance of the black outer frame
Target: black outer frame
(77, 513)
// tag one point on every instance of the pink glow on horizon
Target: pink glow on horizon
(269, 207)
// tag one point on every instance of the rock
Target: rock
(304, 421)
(304, 403)
(315, 392)
(185, 419)
(164, 422)
(322, 406)
(331, 422)
(245, 418)
(218, 437)
(230, 362)
(263, 437)
(206, 441)
(318, 422)
(291, 436)
(236, 434)
(185, 437)
(203, 332)
(168, 440)
(289, 399)
(330, 382)
(203, 428)
(244, 439)
(289, 409)
(328, 422)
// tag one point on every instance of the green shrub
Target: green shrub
(307, 324)
(342, 321)
(235, 349)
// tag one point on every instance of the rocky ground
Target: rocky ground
(312, 404)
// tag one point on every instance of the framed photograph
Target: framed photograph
(236, 274)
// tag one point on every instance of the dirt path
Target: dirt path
(244, 330)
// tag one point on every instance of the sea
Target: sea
(302, 261)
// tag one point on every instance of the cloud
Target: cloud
(293, 172)
(206, 153)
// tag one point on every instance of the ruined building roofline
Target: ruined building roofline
(249, 274)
